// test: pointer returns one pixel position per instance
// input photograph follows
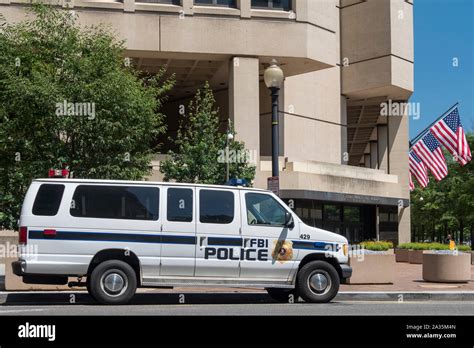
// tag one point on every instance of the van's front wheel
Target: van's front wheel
(318, 282)
(113, 282)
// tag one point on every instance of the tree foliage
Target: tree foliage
(111, 116)
(199, 154)
(446, 206)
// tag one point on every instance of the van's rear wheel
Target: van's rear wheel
(283, 295)
(318, 282)
(113, 282)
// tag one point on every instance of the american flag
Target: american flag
(450, 133)
(418, 169)
(429, 151)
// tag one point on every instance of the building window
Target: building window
(216, 207)
(170, 2)
(284, 5)
(226, 3)
(355, 222)
(115, 202)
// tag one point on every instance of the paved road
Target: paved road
(218, 304)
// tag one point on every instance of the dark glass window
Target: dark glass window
(228, 3)
(264, 210)
(352, 214)
(48, 199)
(172, 2)
(272, 4)
(216, 207)
(116, 202)
(388, 218)
(180, 205)
(332, 212)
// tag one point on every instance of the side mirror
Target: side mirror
(289, 222)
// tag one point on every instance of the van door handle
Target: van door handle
(201, 240)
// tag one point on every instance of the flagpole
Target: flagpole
(424, 131)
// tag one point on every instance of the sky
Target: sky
(444, 30)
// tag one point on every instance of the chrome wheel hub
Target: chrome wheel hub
(319, 282)
(113, 283)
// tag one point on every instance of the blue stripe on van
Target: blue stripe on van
(297, 244)
(224, 241)
(115, 237)
(161, 238)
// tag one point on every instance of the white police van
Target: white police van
(120, 235)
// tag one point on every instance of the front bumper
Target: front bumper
(346, 271)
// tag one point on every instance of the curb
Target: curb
(400, 296)
(81, 297)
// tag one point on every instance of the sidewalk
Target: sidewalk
(409, 277)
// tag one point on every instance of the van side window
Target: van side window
(116, 202)
(216, 207)
(179, 205)
(48, 199)
(263, 209)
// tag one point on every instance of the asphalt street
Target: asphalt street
(218, 304)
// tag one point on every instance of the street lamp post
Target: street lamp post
(273, 80)
(229, 138)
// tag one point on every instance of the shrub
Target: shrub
(431, 246)
(377, 245)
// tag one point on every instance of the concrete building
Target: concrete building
(344, 167)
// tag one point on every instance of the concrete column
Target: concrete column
(301, 9)
(244, 102)
(129, 5)
(367, 161)
(373, 155)
(245, 8)
(383, 150)
(344, 152)
(188, 7)
(398, 146)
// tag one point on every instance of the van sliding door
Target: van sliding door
(218, 233)
(178, 238)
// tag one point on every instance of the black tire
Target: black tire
(88, 286)
(324, 272)
(282, 295)
(105, 281)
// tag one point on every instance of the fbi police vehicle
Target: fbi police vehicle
(116, 236)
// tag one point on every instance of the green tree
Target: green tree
(446, 206)
(199, 154)
(68, 96)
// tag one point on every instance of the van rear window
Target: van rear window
(116, 202)
(48, 199)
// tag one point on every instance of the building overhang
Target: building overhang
(338, 183)
(344, 198)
